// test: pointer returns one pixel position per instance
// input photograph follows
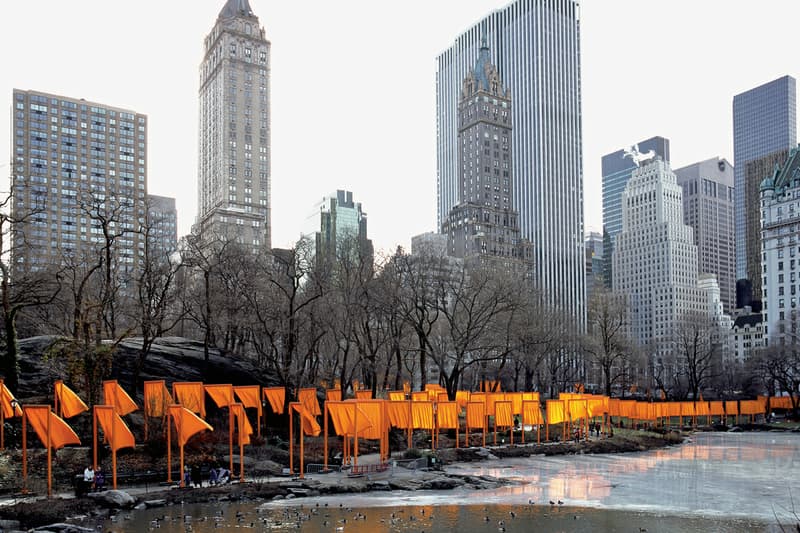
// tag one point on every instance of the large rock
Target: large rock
(170, 358)
(117, 499)
(264, 468)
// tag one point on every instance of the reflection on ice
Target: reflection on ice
(729, 474)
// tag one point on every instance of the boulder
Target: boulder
(8, 525)
(155, 503)
(264, 468)
(117, 499)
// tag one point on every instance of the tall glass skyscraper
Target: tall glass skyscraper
(536, 47)
(764, 122)
(617, 170)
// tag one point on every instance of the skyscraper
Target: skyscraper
(341, 227)
(483, 225)
(537, 53)
(617, 170)
(764, 122)
(708, 208)
(235, 156)
(162, 217)
(79, 172)
(655, 258)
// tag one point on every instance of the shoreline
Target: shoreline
(77, 511)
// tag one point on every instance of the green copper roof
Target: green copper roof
(236, 8)
(783, 176)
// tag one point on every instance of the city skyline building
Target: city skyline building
(655, 259)
(708, 199)
(162, 218)
(234, 166)
(764, 122)
(616, 170)
(483, 224)
(79, 172)
(537, 53)
(780, 239)
(341, 227)
(594, 262)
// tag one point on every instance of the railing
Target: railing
(319, 468)
(361, 470)
(411, 464)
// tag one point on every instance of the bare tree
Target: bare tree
(607, 342)
(698, 353)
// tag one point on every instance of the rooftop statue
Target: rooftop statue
(636, 156)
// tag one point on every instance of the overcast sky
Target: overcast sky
(353, 87)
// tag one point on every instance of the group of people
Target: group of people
(94, 479)
(216, 476)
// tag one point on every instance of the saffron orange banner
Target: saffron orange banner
(222, 395)
(190, 395)
(114, 428)
(447, 415)
(249, 396)
(308, 397)
(187, 423)
(69, 403)
(156, 398)
(276, 396)
(116, 396)
(60, 433)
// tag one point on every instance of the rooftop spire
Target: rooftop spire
(236, 8)
(483, 66)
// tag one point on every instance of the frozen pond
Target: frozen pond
(716, 482)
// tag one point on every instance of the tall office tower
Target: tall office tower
(754, 172)
(235, 156)
(594, 262)
(764, 122)
(617, 169)
(162, 219)
(655, 258)
(708, 208)
(483, 224)
(78, 168)
(538, 57)
(341, 227)
(780, 234)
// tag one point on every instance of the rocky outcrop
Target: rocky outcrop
(115, 499)
(171, 359)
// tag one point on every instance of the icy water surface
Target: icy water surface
(717, 482)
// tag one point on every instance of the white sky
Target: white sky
(353, 87)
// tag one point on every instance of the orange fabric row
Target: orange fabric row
(397, 396)
(276, 396)
(532, 412)
(69, 403)
(364, 394)
(187, 424)
(190, 395)
(59, 434)
(502, 414)
(156, 398)
(114, 428)
(307, 421)
(556, 411)
(345, 416)
(399, 413)
(116, 396)
(476, 415)
(422, 415)
(333, 395)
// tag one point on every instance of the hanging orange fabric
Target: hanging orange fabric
(716, 408)
(419, 396)
(116, 396)
(516, 402)
(672, 409)
(462, 399)
(69, 403)
(156, 398)
(187, 423)
(596, 406)
(345, 418)
(307, 421)
(556, 411)
(476, 414)
(751, 407)
(530, 396)
(60, 433)
(442, 397)
(614, 407)
(577, 409)
(447, 415)
(503, 416)
(222, 395)
(243, 426)
(406, 387)
(628, 408)
(364, 394)
(701, 408)
(532, 412)
(491, 400)
(422, 415)
(732, 408)
(333, 395)
(373, 411)
(6, 399)
(397, 411)
(396, 396)
(190, 395)
(114, 428)
(780, 402)
(687, 409)
(276, 396)
(249, 396)
(308, 397)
